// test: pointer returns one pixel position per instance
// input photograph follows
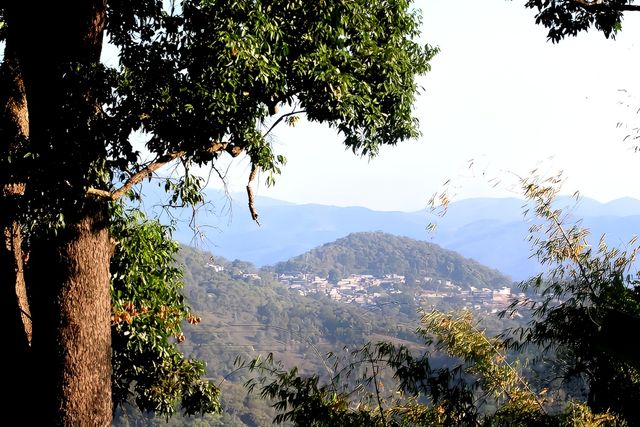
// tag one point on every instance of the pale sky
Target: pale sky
(498, 93)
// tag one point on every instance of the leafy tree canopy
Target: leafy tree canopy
(389, 385)
(203, 77)
(569, 17)
(196, 79)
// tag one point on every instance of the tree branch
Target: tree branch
(629, 7)
(282, 117)
(157, 164)
(600, 5)
(374, 371)
(136, 177)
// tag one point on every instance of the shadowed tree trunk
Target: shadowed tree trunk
(72, 340)
(57, 46)
(14, 305)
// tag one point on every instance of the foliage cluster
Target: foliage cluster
(569, 17)
(589, 300)
(395, 387)
(149, 370)
(211, 71)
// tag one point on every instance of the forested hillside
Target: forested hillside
(245, 312)
(380, 254)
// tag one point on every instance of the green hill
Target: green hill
(380, 254)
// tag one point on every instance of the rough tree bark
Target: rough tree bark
(14, 305)
(71, 306)
(68, 271)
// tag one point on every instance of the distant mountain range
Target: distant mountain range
(490, 231)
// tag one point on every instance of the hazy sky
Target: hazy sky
(499, 97)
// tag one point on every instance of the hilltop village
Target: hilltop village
(368, 290)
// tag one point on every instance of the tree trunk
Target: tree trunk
(57, 47)
(15, 315)
(72, 310)
(14, 304)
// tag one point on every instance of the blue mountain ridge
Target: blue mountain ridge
(491, 231)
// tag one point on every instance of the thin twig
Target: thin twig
(282, 117)
(374, 371)
(250, 195)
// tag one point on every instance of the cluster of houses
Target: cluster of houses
(238, 274)
(366, 289)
